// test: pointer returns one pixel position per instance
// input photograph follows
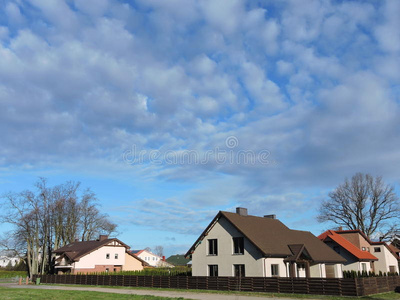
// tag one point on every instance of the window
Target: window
(238, 245)
(108, 256)
(377, 249)
(116, 256)
(239, 270)
(115, 270)
(364, 267)
(212, 247)
(106, 270)
(274, 270)
(212, 270)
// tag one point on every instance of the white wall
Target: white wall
(385, 259)
(153, 259)
(5, 260)
(283, 272)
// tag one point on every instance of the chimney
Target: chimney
(103, 237)
(340, 228)
(270, 216)
(241, 211)
(163, 258)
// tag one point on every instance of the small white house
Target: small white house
(7, 260)
(102, 255)
(237, 244)
(152, 259)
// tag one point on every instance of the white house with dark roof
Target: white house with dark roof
(102, 255)
(237, 244)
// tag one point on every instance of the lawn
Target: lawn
(9, 274)
(97, 295)
(23, 294)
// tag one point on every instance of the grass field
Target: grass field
(9, 274)
(383, 296)
(23, 294)
(7, 293)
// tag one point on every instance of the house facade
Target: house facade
(360, 252)
(152, 259)
(6, 261)
(237, 244)
(102, 255)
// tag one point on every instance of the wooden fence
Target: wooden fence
(317, 286)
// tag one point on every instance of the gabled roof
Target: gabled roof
(272, 238)
(344, 243)
(144, 263)
(76, 250)
(394, 250)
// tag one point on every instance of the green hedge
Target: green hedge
(358, 274)
(10, 274)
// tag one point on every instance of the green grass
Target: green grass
(23, 294)
(10, 274)
(383, 296)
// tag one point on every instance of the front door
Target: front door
(330, 271)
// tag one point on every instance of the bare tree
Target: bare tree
(159, 250)
(364, 202)
(49, 218)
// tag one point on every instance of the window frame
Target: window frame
(239, 269)
(238, 245)
(213, 270)
(212, 247)
(275, 270)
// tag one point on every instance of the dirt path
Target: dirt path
(153, 292)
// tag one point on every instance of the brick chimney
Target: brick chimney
(163, 258)
(241, 211)
(103, 237)
(270, 216)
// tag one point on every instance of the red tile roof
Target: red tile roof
(341, 241)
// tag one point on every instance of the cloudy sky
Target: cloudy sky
(173, 110)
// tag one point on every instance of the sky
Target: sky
(173, 110)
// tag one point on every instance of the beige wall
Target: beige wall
(223, 231)
(132, 264)
(385, 259)
(358, 240)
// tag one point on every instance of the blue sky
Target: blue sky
(173, 110)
